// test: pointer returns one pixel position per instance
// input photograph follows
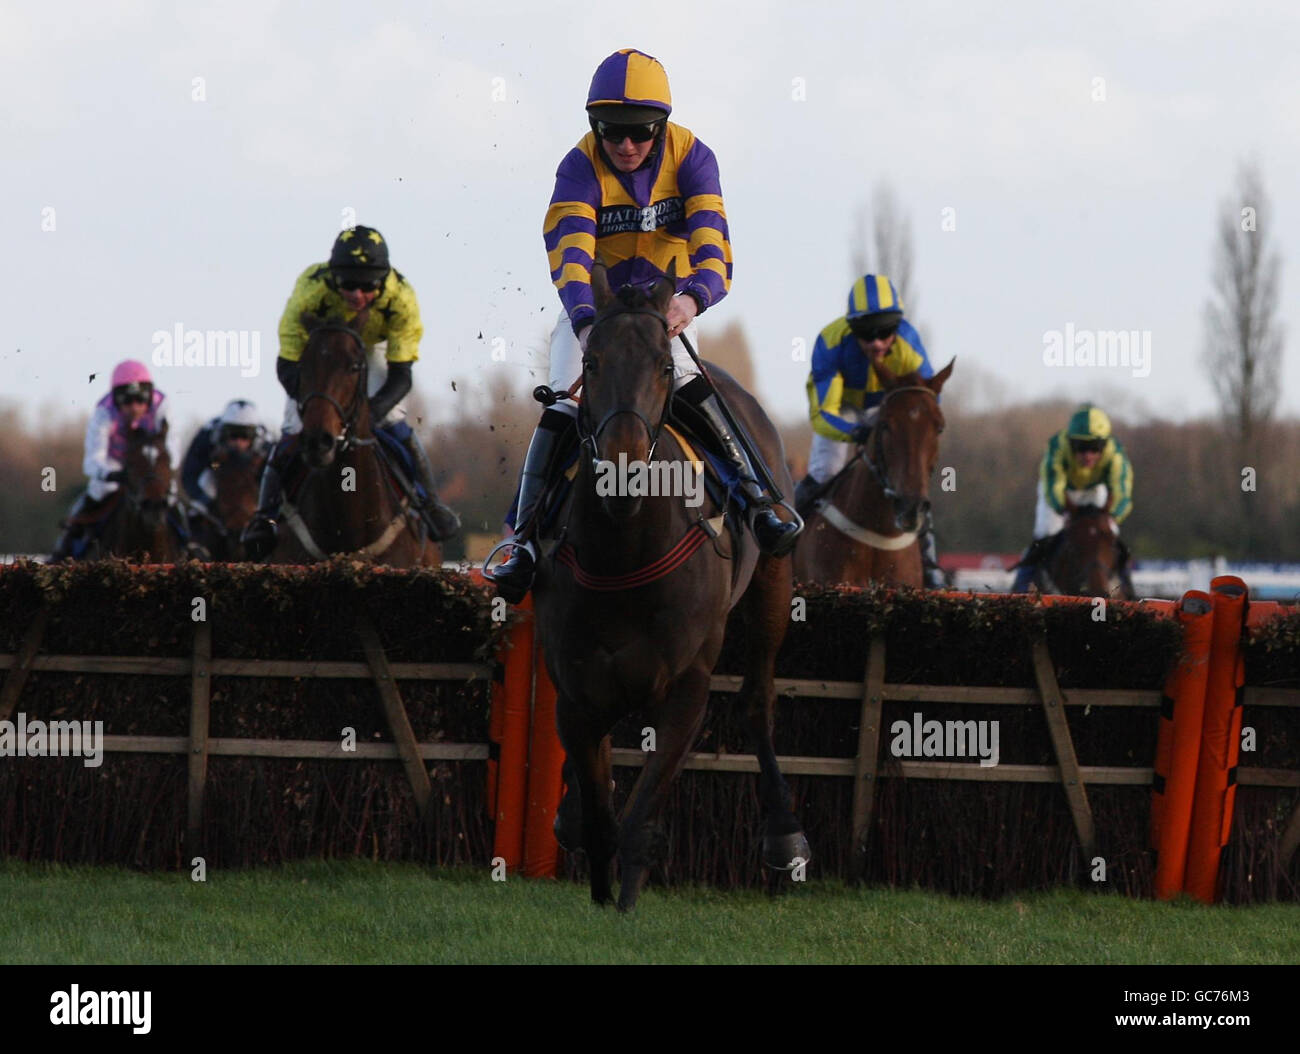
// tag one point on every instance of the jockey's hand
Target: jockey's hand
(860, 434)
(116, 476)
(583, 335)
(682, 310)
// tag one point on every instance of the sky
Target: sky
(169, 165)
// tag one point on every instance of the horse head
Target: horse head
(1090, 554)
(332, 400)
(627, 380)
(148, 470)
(903, 446)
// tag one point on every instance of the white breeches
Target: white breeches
(1048, 521)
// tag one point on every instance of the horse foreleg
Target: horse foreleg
(767, 614)
(676, 723)
(587, 771)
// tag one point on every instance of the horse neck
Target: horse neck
(357, 516)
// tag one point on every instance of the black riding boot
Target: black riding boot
(934, 577)
(774, 535)
(260, 535)
(443, 523)
(72, 531)
(1025, 569)
(803, 494)
(514, 578)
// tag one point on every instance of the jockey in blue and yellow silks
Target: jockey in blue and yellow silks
(645, 193)
(356, 276)
(1084, 464)
(844, 393)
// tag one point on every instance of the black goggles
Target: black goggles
(1087, 446)
(616, 133)
(134, 393)
(357, 283)
(229, 432)
(877, 331)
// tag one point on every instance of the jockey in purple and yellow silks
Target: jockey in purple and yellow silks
(844, 392)
(132, 402)
(645, 193)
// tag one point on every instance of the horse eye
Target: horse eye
(589, 364)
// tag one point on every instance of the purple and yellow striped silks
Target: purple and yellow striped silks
(639, 223)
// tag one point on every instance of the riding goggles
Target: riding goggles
(238, 432)
(885, 331)
(616, 133)
(132, 393)
(1087, 446)
(355, 283)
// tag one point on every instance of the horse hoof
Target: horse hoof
(785, 852)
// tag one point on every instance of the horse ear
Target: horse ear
(666, 288)
(600, 289)
(936, 383)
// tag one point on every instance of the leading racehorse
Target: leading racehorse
(632, 605)
(863, 526)
(349, 502)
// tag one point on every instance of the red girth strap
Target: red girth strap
(695, 536)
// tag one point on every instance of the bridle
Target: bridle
(870, 451)
(346, 439)
(590, 437)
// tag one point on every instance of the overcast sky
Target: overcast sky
(1078, 202)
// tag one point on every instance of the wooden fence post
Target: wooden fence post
(200, 712)
(868, 760)
(17, 675)
(1071, 778)
(395, 712)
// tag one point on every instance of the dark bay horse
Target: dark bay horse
(349, 502)
(235, 474)
(138, 526)
(632, 606)
(864, 526)
(1087, 559)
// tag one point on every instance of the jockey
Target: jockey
(132, 402)
(356, 276)
(1084, 465)
(239, 427)
(844, 393)
(644, 193)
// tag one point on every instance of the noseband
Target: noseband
(346, 439)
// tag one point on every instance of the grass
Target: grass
(358, 912)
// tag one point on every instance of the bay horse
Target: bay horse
(349, 502)
(138, 524)
(1087, 558)
(865, 523)
(216, 528)
(632, 603)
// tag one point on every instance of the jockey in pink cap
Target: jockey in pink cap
(131, 403)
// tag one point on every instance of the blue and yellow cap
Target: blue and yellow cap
(872, 295)
(1088, 422)
(630, 87)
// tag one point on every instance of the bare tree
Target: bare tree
(1243, 350)
(882, 243)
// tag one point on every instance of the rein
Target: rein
(347, 439)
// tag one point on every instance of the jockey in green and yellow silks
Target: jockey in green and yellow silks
(844, 392)
(645, 194)
(1084, 464)
(356, 276)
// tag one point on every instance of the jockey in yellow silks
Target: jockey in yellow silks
(644, 193)
(1084, 464)
(357, 276)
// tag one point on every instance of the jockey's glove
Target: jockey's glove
(391, 392)
(860, 434)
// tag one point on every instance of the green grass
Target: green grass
(381, 913)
